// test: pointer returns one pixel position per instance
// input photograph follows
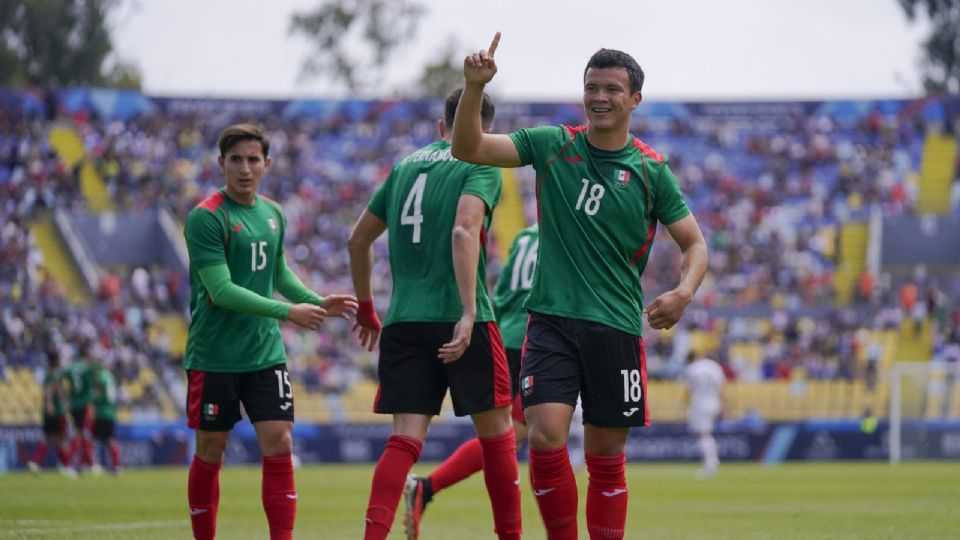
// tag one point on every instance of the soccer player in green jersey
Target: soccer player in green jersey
(234, 350)
(80, 397)
(439, 332)
(600, 193)
(105, 413)
(54, 419)
(511, 290)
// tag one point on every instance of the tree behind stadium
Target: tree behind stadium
(354, 40)
(65, 42)
(942, 46)
(381, 25)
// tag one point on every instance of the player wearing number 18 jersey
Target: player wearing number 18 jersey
(439, 331)
(234, 350)
(600, 193)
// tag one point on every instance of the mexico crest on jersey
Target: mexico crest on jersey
(273, 224)
(622, 178)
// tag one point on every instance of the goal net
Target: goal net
(924, 411)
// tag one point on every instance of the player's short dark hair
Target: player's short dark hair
(242, 132)
(487, 109)
(612, 58)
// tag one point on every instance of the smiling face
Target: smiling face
(607, 100)
(243, 165)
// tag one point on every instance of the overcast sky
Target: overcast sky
(689, 49)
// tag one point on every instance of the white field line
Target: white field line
(69, 526)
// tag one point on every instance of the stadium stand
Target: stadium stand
(814, 287)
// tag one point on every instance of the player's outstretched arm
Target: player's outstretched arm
(470, 142)
(665, 311)
(360, 247)
(227, 294)
(308, 316)
(288, 284)
(292, 288)
(340, 305)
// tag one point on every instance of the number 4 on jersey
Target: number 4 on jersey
(412, 213)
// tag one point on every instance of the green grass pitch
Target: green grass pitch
(835, 501)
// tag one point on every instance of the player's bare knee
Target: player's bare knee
(541, 439)
(493, 422)
(277, 444)
(211, 447)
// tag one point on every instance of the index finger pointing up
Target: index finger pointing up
(493, 44)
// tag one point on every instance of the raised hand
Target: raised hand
(340, 305)
(480, 67)
(307, 315)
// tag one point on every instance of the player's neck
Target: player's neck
(612, 140)
(245, 199)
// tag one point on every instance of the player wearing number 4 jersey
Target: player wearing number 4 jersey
(600, 193)
(234, 350)
(439, 331)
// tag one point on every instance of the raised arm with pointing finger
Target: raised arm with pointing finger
(600, 194)
(470, 142)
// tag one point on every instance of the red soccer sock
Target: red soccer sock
(555, 488)
(64, 455)
(87, 446)
(503, 483)
(606, 496)
(389, 476)
(465, 460)
(203, 496)
(114, 454)
(279, 496)
(39, 453)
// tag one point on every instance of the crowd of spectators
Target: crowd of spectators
(769, 190)
(36, 317)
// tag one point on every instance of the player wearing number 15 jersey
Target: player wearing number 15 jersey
(234, 350)
(600, 193)
(439, 331)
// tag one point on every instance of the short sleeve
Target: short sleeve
(378, 203)
(205, 236)
(669, 204)
(485, 183)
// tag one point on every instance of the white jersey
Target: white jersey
(704, 379)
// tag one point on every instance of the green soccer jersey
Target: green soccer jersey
(514, 284)
(598, 213)
(104, 394)
(418, 202)
(77, 375)
(249, 240)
